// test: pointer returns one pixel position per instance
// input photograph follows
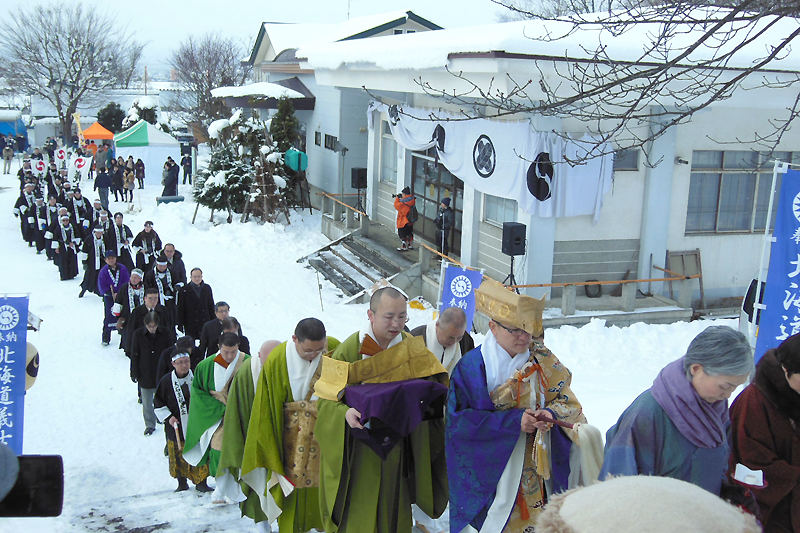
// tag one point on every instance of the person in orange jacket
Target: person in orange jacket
(403, 202)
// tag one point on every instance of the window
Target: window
(626, 159)
(398, 32)
(330, 142)
(318, 138)
(497, 210)
(388, 156)
(729, 191)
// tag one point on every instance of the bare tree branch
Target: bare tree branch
(66, 53)
(689, 58)
(202, 64)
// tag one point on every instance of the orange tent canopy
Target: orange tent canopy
(96, 131)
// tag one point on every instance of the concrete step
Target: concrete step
(341, 280)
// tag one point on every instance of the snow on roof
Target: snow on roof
(8, 115)
(263, 89)
(284, 36)
(47, 120)
(554, 39)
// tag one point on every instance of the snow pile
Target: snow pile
(146, 102)
(279, 182)
(261, 89)
(216, 127)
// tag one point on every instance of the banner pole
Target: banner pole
(778, 167)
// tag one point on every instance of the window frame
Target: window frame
(724, 170)
(506, 207)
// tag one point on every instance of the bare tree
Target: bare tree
(689, 58)
(67, 53)
(204, 63)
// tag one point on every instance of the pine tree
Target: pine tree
(110, 117)
(284, 130)
(284, 125)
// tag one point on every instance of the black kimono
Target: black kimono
(148, 245)
(66, 244)
(118, 238)
(94, 250)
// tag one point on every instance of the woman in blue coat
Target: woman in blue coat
(677, 428)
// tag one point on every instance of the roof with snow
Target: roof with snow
(284, 36)
(562, 40)
(10, 115)
(262, 89)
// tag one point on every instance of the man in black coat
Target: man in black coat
(175, 264)
(195, 305)
(209, 336)
(146, 347)
(136, 320)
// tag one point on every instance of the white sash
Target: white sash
(448, 356)
(183, 406)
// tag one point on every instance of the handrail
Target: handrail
(459, 263)
(337, 194)
(341, 202)
(613, 282)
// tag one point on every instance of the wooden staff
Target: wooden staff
(553, 421)
(178, 436)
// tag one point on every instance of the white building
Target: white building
(331, 118)
(709, 191)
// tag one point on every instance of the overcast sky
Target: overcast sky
(163, 24)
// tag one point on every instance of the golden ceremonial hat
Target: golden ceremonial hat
(494, 300)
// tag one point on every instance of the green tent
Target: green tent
(146, 142)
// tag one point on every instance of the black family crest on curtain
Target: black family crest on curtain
(484, 156)
(540, 177)
(394, 114)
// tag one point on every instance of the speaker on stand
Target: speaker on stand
(358, 181)
(513, 244)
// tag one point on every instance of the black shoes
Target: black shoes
(149, 431)
(182, 485)
(203, 487)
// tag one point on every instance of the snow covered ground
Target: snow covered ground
(83, 405)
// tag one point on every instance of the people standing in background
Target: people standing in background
(139, 171)
(403, 202)
(186, 163)
(445, 220)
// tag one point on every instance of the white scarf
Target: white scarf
(64, 231)
(120, 244)
(447, 356)
(99, 251)
(367, 330)
(499, 365)
(183, 406)
(300, 371)
(158, 276)
(52, 210)
(114, 279)
(138, 293)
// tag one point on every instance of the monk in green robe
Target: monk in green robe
(210, 387)
(360, 492)
(286, 490)
(234, 433)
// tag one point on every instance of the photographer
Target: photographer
(406, 216)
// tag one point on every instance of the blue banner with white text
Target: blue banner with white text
(13, 349)
(780, 317)
(458, 290)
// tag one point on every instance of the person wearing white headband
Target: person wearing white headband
(171, 403)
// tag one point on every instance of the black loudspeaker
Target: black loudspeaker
(513, 238)
(358, 178)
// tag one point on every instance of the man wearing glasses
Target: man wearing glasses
(380, 426)
(503, 460)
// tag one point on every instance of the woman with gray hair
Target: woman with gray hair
(677, 428)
